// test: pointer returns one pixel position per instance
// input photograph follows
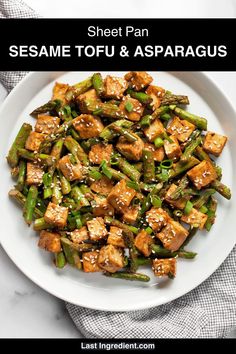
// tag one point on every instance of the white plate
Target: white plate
(94, 290)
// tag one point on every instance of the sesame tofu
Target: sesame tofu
(70, 170)
(202, 174)
(157, 218)
(114, 87)
(172, 149)
(34, 174)
(88, 126)
(100, 152)
(46, 124)
(90, 262)
(195, 218)
(214, 143)
(158, 153)
(79, 235)
(101, 207)
(156, 93)
(111, 258)
(130, 214)
(136, 111)
(102, 186)
(34, 140)
(121, 195)
(132, 151)
(155, 130)
(59, 92)
(138, 79)
(115, 237)
(143, 242)
(164, 267)
(97, 229)
(49, 241)
(56, 215)
(178, 203)
(172, 235)
(181, 129)
(85, 99)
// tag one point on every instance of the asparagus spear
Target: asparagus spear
(109, 134)
(65, 184)
(71, 254)
(43, 159)
(222, 189)
(47, 107)
(128, 276)
(183, 183)
(40, 224)
(21, 200)
(98, 83)
(124, 132)
(200, 122)
(30, 204)
(170, 99)
(133, 254)
(79, 197)
(78, 89)
(140, 96)
(202, 199)
(180, 168)
(87, 144)
(128, 169)
(83, 247)
(56, 190)
(21, 175)
(148, 166)
(47, 185)
(148, 200)
(211, 213)
(56, 154)
(19, 142)
(74, 147)
(163, 252)
(190, 149)
(60, 260)
(115, 174)
(127, 228)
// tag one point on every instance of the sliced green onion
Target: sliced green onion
(158, 142)
(74, 114)
(97, 111)
(95, 174)
(129, 106)
(166, 164)
(149, 230)
(178, 213)
(114, 159)
(67, 110)
(146, 121)
(203, 209)
(133, 229)
(156, 201)
(78, 222)
(165, 116)
(188, 208)
(166, 137)
(105, 170)
(134, 185)
(163, 176)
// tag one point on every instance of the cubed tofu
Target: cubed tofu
(156, 93)
(115, 237)
(101, 207)
(90, 262)
(130, 214)
(214, 143)
(157, 218)
(49, 241)
(88, 101)
(138, 79)
(136, 111)
(114, 87)
(102, 186)
(59, 92)
(172, 149)
(111, 258)
(121, 195)
(56, 215)
(178, 203)
(158, 153)
(155, 130)
(172, 235)
(34, 140)
(143, 242)
(195, 218)
(34, 174)
(79, 235)
(47, 124)
(70, 170)
(88, 126)
(202, 174)
(181, 129)
(164, 267)
(132, 151)
(97, 229)
(100, 152)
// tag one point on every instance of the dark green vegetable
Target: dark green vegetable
(21, 175)
(170, 99)
(148, 166)
(98, 83)
(200, 122)
(30, 204)
(19, 142)
(129, 276)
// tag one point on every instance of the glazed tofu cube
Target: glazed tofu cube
(111, 258)
(115, 237)
(70, 169)
(195, 218)
(88, 101)
(132, 151)
(132, 108)
(121, 195)
(138, 79)
(34, 174)
(79, 235)
(202, 174)
(49, 241)
(102, 186)
(59, 92)
(172, 235)
(178, 203)
(56, 215)
(143, 242)
(158, 153)
(47, 124)
(172, 150)
(101, 207)
(90, 262)
(114, 87)
(97, 229)
(130, 214)
(34, 140)
(156, 93)
(181, 129)
(157, 218)
(100, 152)
(155, 130)
(214, 143)
(164, 267)
(88, 126)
